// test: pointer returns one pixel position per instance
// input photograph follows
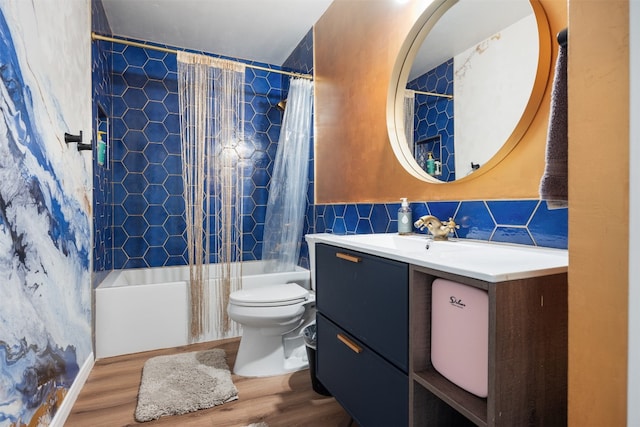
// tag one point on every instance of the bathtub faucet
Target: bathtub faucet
(439, 229)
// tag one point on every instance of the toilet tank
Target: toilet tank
(460, 334)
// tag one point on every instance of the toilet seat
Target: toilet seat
(270, 296)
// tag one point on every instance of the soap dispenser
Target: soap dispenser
(405, 221)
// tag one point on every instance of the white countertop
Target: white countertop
(488, 261)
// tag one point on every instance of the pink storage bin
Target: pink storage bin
(460, 335)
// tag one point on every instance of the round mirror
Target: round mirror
(470, 80)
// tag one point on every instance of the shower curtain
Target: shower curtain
(288, 188)
(211, 94)
(409, 115)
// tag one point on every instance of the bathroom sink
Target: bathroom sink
(413, 243)
(489, 261)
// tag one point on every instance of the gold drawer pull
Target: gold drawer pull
(346, 341)
(348, 257)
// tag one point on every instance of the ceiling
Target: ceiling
(268, 30)
(257, 30)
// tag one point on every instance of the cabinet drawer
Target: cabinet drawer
(374, 392)
(367, 296)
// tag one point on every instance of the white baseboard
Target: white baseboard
(67, 404)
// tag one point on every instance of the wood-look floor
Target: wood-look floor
(110, 394)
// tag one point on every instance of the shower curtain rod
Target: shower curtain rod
(95, 36)
(433, 94)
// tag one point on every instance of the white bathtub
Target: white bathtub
(146, 308)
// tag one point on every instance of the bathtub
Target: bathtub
(146, 308)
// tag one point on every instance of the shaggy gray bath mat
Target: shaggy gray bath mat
(181, 383)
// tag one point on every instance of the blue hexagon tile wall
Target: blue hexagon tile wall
(148, 208)
(434, 118)
(527, 222)
(101, 93)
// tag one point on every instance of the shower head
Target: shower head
(282, 105)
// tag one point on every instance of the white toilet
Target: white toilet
(272, 319)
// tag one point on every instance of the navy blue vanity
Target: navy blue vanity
(363, 307)
(374, 301)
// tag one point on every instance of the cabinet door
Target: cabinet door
(374, 392)
(368, 297)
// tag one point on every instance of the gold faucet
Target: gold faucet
(439, 229)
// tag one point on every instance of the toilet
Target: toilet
(272, 319)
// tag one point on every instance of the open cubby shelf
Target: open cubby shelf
(472, 407)
(527, 355)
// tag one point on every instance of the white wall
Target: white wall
(488, 99)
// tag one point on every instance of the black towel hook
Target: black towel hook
(68, 138)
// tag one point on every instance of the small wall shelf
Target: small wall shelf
(102, 137)
(422, 148)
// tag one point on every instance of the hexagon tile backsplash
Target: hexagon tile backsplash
(527, 222)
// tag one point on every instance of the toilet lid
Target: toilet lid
(272, 295)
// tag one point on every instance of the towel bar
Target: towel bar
(563, 37)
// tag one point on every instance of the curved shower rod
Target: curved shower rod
(440, 95)
(95, 36)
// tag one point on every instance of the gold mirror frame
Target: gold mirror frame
(402, 68)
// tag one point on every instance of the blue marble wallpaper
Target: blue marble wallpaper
(45, 234)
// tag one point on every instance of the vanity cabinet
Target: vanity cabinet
(363, 334)
(374, 333)
(527, 384)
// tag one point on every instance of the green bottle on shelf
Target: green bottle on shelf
(431, 165)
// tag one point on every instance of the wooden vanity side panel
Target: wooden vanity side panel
(528, 352)
(419, 345)
(419, 315)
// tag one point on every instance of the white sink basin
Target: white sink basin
(403, 243)
(492, 262)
